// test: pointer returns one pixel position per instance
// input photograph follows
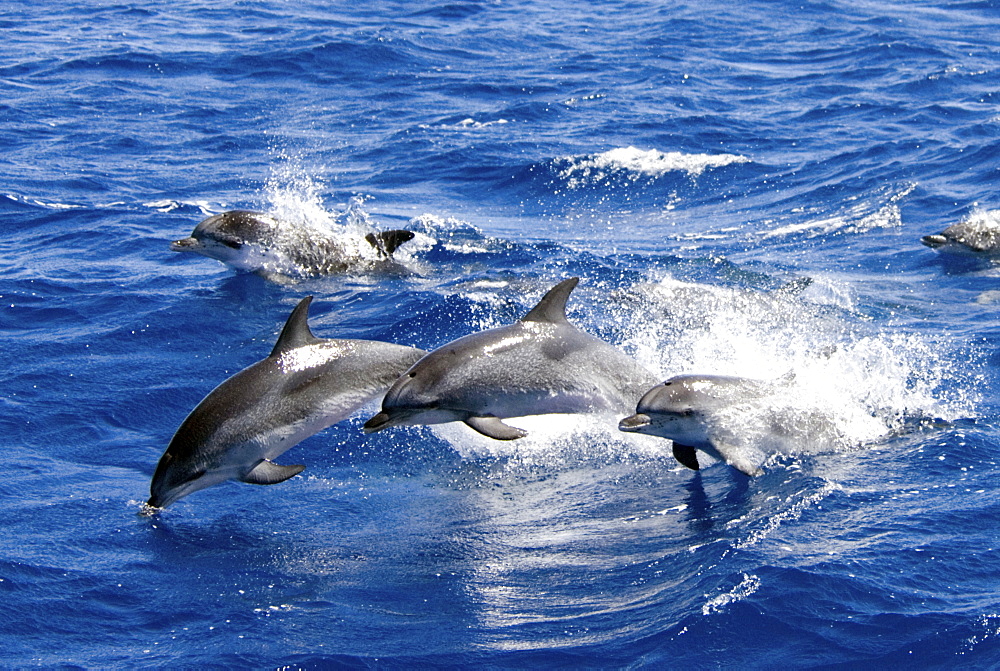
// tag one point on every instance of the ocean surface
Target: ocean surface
(741, 188)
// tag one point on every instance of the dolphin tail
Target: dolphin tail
(386, 242)
(270, 473)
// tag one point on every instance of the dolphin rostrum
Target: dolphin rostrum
(259, 243)
(541, 364)
(305, 385)
(736, 420)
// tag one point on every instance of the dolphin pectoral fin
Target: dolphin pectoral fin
(492, 427)
(740, 458)
(686, 455)
(270, 473)
(386, 242)
(746, 468)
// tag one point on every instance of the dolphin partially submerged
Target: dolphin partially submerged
(305, 385)
(979, 235)
(259, 243)
(737, 420)
(539, 365)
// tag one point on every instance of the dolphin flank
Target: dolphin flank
(541, 364)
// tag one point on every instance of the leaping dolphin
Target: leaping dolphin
(539, 365)
(737, 420)
(305, 385)
(259, 243)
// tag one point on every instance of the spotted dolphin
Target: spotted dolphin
(260, 243)
(541, 364)
(305, 385)
(737, 420)
(978, 235)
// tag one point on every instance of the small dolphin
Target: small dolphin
(977, 236)
(541, 364)
(733, 419)
(258, 243)
(305, 385)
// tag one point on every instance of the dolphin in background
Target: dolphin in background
(539, 365)
(305, 385)
(259, 243)
(978, 235)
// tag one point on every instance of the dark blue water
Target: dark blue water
(742, 189)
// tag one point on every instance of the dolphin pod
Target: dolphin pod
(540, 364)
(305, 385)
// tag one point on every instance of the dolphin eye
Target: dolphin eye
(229, 242)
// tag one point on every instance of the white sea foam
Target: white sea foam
(468, 124)
(825, 357)
(860, 217)
(717, 604)
(637, 163)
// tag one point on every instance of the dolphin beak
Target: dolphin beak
(377, 423)
(152, 505)
(185, 245)
(933, 241)
(635, 422)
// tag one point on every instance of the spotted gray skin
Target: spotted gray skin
(541, 364)
(305, 385)
(259, 243)
(683, 408)
(969, 238)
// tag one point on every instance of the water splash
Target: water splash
(717, 604)
(827, 353)
(636, 164)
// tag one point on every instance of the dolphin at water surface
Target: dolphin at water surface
(305, 385)
(259, 243)
(737, 420)
(539, 365)
(977, 236)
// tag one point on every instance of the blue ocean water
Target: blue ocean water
(741, 188)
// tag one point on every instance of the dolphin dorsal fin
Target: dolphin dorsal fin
(296, 332)
(552, 307)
